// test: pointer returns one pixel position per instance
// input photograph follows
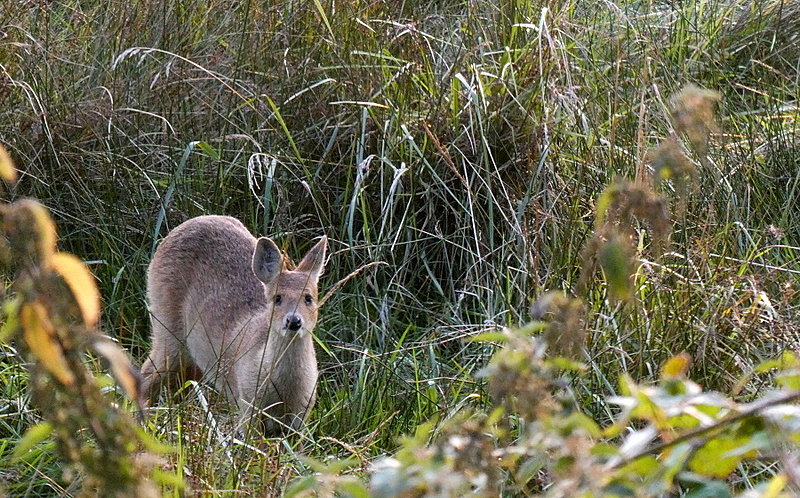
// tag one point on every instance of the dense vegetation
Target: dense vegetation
(486, 152)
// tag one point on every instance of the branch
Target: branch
(686, 436)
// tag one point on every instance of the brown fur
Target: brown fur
(212, 289)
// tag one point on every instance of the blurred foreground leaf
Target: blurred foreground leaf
(7, 170)
(40, 335)
(82, 284)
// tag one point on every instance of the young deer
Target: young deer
(224, 305)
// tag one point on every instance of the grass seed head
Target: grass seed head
(637, 201)
(565, 317)
(520, 380)
(621, 209)
(693, 113)
(670, 163)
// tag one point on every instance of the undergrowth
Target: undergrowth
(468, 146)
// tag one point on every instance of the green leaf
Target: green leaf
(566, 364)
(564, 463)
(604, 201)
(768, 365)
(683, 421)
(529, 468)
(354, 488)
(301, 485)
(786, 361)
(674, 460)
(649, 410)
(495, 416)
(604, 449)
(626, 385)
(789, 379)
(104, 380)
(284, 127)
(312, 463)
(532, 328)
(750, 445)
(615, 429)
(489, 337)
(10, 325)
(211, 151)
(698, 486)
(324, 17)
(673, 386)
(708, 407)
(337, 466)
(643, 466)
(619, 488)
(616, 266)
(31, 438)
(710, 489)
(170, 479)
(715, 458)
(578, 419)
(151, 444)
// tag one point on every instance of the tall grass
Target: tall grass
(461, 143)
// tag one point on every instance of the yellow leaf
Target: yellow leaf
(775, 486)
(121, 368)
(40, 335)
(718, 456)
(677, 366)
(81, 283)
(7, 170)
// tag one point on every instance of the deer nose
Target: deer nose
(293, 323)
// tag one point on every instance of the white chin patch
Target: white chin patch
(285, 332)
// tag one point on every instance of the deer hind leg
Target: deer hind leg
(167, 362)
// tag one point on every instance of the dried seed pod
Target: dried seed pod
(565, 317)
(693, 114)
(30, 232)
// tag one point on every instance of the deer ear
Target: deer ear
(267, 260)
(314, 261)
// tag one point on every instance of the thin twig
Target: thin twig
(787, 398)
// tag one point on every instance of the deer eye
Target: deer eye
(309, 299)
(278, 299)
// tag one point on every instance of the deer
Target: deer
(226, 309)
